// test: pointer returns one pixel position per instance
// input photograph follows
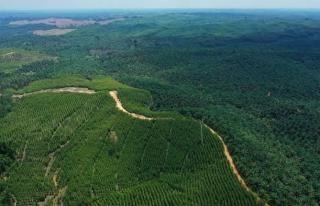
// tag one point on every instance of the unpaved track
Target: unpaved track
(24, 153)
(114, 95)
(51, 161)
(233, 165)
(229, 158)
(60, 90)
(56, 198)
(46, 201)
(55, 179)
(52, 157)
(8, 54)
(14, 200)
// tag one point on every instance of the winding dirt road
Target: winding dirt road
(233, 165)
(119, 106)
(114, 95)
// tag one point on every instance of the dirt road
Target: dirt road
(60, 90)
(114, 95)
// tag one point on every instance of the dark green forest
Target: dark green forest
(253, 76)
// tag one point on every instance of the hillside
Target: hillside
(74, 146)
(13, 59)
(250, 75)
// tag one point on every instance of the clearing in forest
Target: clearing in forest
(63, 25)
(64, 22)
(12, 59)
(52, 32)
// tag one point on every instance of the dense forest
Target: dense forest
(253, 76)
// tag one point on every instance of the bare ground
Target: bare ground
(60, 90)
(46, 201)
(52, 32)
(24, 153)
(58, 22)
(8, 54)
(14, 200)
(55, 179)
(113, 137)
(64, 22)
(57, 200)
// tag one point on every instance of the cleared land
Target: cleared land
(52, 32)
(64, 25)
(12, 59)
(59, 90)
(63, 22)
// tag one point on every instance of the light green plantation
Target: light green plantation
(79, 149)
(13, 59)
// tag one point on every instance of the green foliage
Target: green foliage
(251, 75)
(98, 84)
(102, 156)
(13, 59)
(5, 105)
(7, 156)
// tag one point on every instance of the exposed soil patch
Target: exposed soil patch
(58, 22)
(52, 32)
(14, 199)
(57, 200)
(24, 153)
(64, 25)
(60, 90)
(113, 137)
(55, 180)
(8, 54)
(64, 22)
(46, 201)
